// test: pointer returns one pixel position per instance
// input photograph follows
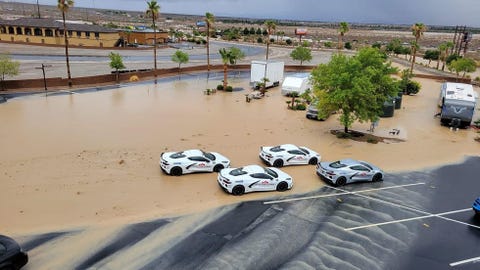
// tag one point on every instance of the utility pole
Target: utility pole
(38, 10)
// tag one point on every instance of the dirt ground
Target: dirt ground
(92, 158)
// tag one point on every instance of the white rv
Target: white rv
(298, 83)
(272, 70)
(457, 102)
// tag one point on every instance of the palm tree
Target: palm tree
(153, 10)
(63, 6)
(229, 57)
(417, 31)
(342, 30)
(270, 29)
(209, 20)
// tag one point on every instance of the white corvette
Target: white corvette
(288, 154)
(190, 161)
(253, 178)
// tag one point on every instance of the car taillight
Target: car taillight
(269, 156)
(330, 173)
(226, 181)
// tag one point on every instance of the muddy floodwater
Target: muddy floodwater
(91, 158)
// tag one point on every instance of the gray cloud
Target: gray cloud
(433, 12)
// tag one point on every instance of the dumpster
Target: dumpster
(398, 101)
(388, 108)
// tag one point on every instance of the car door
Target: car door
(199, 164)
(261, 182)
(297, 157)
(360, 173)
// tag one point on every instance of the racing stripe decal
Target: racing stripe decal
(250, 186)
(188, 167)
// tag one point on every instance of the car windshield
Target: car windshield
(209, 155)
(178, 155)
(238, 172)
(276, 149)
(366, 165)
(271, 172)
(337, 164)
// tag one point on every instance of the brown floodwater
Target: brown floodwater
(92, 158)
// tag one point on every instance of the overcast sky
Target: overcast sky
(432, 12)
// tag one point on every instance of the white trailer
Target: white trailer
(272, 70)
(457, 102)
(298, 83)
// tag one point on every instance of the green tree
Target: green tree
(180, 57)
(209, 20)
(355, 86)
(342, 30)
(462, 65)
(431, 55)
(7, 67)
(246, 32)
(259, 31)
(444, 49)
(417, 32)
(271, 26)
(116, 62)
(301, 53)
(252, 31)
(64, 6)
(153, 10)
(229, 56)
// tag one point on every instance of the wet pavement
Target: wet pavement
(411, 220)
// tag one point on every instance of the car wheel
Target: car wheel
(176, 171)
(282, 186)
(313, 161)
(377, 177)
(341, 181)
(278, 163)
(218, 168)
(238, 190)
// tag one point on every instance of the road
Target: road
(411, 220)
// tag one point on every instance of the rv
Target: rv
(457, 102)
(272, 70)
(298, 83)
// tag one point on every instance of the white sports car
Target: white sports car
(253, 178)
(288, 154)
(190, 161)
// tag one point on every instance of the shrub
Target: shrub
(229, 88)
(348, 45)
(220, 87)
(372, 140)
(328, 44)
(412, 87)
(301, 107)
(259, 40)
(288, 41)
(272, 40)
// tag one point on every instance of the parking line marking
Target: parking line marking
(406, 207)
(341, 193)
(407, 219)
(472, 260)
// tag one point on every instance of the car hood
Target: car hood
(219, 158)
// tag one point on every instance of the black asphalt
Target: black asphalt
(313, 233)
